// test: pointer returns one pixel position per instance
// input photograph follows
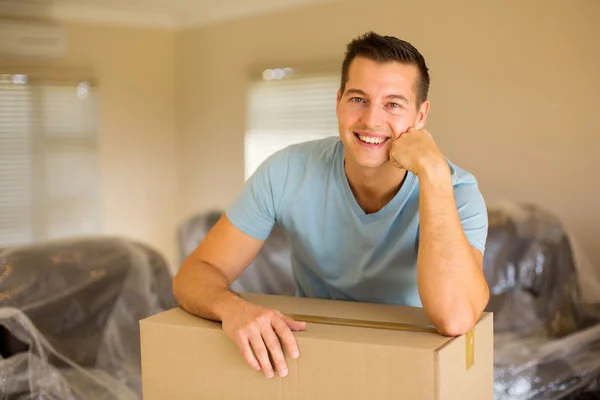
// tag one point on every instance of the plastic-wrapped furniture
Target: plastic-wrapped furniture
(547, 335)
(69, 315)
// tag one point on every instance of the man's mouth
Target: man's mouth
(372, 140)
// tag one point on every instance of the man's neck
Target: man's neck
(373, 188)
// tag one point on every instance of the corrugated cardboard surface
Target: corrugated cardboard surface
(186, 357)
(456, 383)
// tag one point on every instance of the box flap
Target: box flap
(331, 308)
(341, 309)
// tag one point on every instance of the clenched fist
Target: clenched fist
(415, 151)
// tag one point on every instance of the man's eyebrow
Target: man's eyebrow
(356, 91)
(390, 96)
(398, 97)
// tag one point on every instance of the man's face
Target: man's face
(377, 106)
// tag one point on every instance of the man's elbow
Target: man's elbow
(177, 288)
(456, 325)
(459, 320)
(179, 284)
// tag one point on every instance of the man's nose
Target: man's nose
(372, 116)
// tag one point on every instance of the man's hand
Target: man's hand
(257, 330)
(415, 151)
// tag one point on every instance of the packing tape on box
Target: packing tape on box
(395, 326)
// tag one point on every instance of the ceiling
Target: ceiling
(163, 13)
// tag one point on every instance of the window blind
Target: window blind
(49, 181)
(287, 111)
(16, 194)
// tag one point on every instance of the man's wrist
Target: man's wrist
(434, 171)
(225, 301)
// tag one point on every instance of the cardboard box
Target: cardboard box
(185, 357)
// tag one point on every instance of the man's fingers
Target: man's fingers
(261, 353)
(392, 159)
(294, 325)
(243, 343)
(287, 337)
(274, 347)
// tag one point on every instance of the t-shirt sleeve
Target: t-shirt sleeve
(255, 209)
(473, 214)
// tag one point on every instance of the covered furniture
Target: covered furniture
(69, 313)
(547, 334)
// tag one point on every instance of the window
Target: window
(286, 108)
(49, 184)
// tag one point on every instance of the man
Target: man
(376, 215)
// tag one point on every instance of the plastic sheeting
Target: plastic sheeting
(547, 334)
(69, 315)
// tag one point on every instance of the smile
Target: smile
(371, 140)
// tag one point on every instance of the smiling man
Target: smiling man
(377, 214)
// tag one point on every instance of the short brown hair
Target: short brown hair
(383, 49)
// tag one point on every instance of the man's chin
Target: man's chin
(374, 164)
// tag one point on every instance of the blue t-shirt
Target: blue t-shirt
(337, 250)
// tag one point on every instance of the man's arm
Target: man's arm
(201, 287)
(451, 283)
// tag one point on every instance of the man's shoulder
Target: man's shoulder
(318, 148)
(461, 176)
(298, 154)
(306, 155)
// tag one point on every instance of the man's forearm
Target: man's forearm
(451, 283)
(203, 290)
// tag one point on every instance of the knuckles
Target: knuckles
(239, 334)
(258, 322)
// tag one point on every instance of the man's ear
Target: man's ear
(337, 101)
(422, 115)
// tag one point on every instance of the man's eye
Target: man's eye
(356, 100)
(395, 105)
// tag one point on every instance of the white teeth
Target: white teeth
(371, 140)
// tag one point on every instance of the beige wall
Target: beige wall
(135, 70)
(514, 90)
